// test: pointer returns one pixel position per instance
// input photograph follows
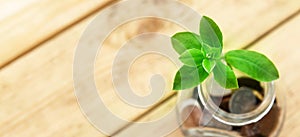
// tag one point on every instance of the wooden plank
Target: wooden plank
(47, 70)
(25, 24)
(156, 129)
(9, 8)
(55, 120)
(281, 46)
(243, 21)
(32, 106)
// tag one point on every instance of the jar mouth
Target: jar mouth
(239, 119)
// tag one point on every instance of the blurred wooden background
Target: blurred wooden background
(38, 39)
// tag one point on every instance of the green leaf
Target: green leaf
(211, 36)
(254, 64)
(211, 52)
(211, 33)
(192, 57)
(208, 65)
(224, 75)
(183, 41)
(189, 77)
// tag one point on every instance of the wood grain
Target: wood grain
(29, 83)
(33, 99)
(244, 21)
(156, 129)
(28, 23)
(281, 46)
(9, 8)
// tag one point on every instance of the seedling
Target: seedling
(201, 55)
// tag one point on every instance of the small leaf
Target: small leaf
(210, 32)
(224, 75)
(211, 36)
(211, 52)
(189, 77)
(186, 40)
(192, 57)
(208, 65)
(254, 64)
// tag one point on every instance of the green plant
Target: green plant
(202, 55)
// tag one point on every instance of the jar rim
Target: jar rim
(239, 119)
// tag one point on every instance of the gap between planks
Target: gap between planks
(138, 118)
(56, 33)
(248, 46)
(277, 26)
(156, 106)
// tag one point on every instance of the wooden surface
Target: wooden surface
(29, 23)
(38, 39)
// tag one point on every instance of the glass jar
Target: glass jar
(202, 111)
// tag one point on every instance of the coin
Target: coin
(242, 101)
